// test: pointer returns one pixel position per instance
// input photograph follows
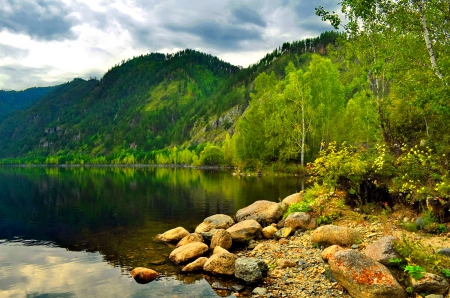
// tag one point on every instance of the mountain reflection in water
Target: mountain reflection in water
(77, 232)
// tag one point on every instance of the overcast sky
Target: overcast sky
(48, 42)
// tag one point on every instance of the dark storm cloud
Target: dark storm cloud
(46, 20)
(219, 34)
(246, 15)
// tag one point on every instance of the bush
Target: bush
(344, 168)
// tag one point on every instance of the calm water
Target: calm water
(77, 232)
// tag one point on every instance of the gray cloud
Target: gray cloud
(246, 15)
(229, 28)
(12, 52)
(215, 34)
(44, 19)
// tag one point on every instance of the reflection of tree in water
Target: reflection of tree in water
(118, 211)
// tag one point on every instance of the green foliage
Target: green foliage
(418, 255)
(335, 165)
(397, 262)
(297, 207)
(415, 271)
(445, 272)
(211, 156)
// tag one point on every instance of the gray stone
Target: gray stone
(420, 223)
(250, 270)
(245, 230)
(264, 212)
(300, 220)
(383, 250)
(444, 251)
(430, 283)
(259, 291)
(217, 221)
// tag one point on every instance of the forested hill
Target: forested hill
(11, 101)
(144, 101)
(142, 105)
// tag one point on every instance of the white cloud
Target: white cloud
(88, 37)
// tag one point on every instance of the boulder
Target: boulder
(221, 263)
(245, 230)
(283, 233)
(300, 220)
(383, 250)
(293, 199)
(331, 234)
(264, 212)
(444, 251)
(218, 250)
(362, 276)
(188, 252)
(429, 283)
(144, 275)
(250, 270)
(208, 235)
(194, 237)
(221, 238)
(174, 235)
(268, 232)
(328, 252)
(218, 221)
(197, 265)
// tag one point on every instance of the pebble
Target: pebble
(309, 278)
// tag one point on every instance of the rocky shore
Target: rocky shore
(294, 257)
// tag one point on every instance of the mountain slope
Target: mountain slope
(11, 101)
(147, 102)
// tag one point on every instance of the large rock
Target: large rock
(188, 252)
(197, 265)
(300, 220)
(331, 234)
(362, 276)
(245, 230)
(328, 252)
(221, 238)
(430, 283)
(208, 235)
(194, 237)
(264, 212)
(383, 250)
(293, 199)
(218, 221)
(221, 263)
(269, 231)
(144, 275)
(250, 270)
(174, 235)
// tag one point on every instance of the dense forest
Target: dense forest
(11, 101)
(356, 107)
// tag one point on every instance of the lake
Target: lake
(78, 231)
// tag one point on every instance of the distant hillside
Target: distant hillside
(11, 101)
(144, 104)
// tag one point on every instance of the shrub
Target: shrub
(345, 168)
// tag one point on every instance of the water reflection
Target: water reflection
(42, 271)
(115, 213)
